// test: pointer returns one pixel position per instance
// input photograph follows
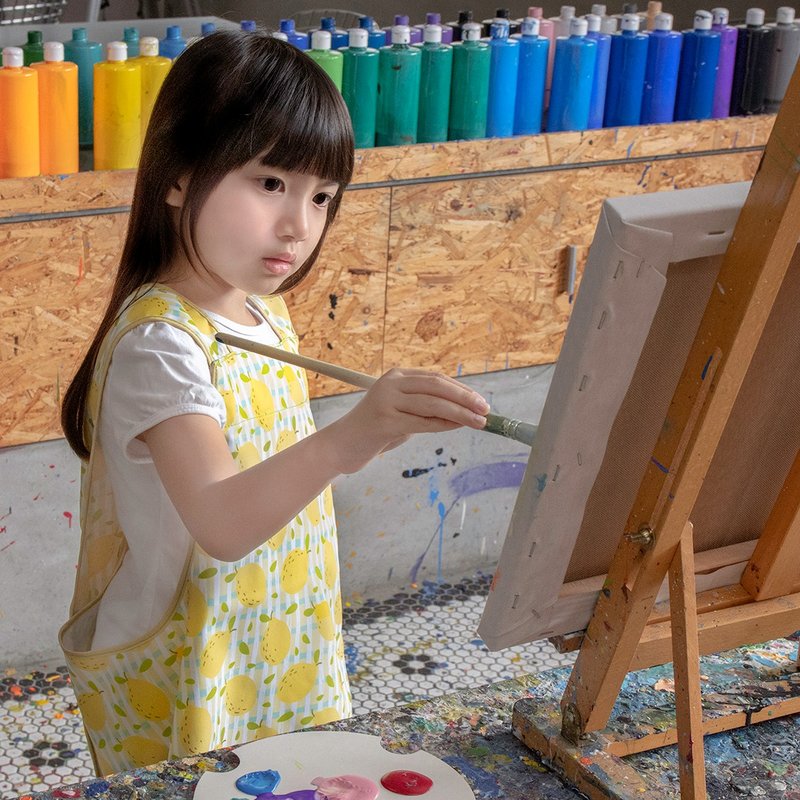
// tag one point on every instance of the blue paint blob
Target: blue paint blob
(258, 783)
(99, 787)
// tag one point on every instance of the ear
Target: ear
(177, 192)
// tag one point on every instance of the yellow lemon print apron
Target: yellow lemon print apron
(249, 648)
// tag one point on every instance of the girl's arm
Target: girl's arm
(230, 513)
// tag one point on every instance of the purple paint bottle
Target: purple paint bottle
(727, 58)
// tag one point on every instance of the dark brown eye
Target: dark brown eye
(272, 184)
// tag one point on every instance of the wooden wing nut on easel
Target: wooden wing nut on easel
(666, 463)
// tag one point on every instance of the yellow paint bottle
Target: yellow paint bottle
(58, 111)
(154, 69)
(19, 117)
(117, 110)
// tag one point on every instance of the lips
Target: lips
(280, 265)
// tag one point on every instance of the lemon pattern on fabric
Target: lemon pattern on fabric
(251, 648)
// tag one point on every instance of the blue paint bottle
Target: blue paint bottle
(339, 38)
(727, 58)
(248, 25)
(376, 37)
(626, 68)
(573, 74)
(173, 44)
(79, 50)
(597, 103)
(698, 72)
(531, 78)
(500, 13)
(436, 74)
(503, 69)
(293, 36)
(207, 28)
(751, 69)
(661, 71)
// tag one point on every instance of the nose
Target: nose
(293, 223)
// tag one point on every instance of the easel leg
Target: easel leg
(686, 665)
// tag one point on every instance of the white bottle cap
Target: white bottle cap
(630, 22)
(470, 32)
(578, 26)
(719, 16)
(321, 40)
(599, 10)
(148, 46)
(357, 37)
(499, 28)
(279, 35)
(401, 34)
(117, 51)
(530, 26)
(432, 34)
(593, 22)
(702, 21)
(663, 21)
(755, 17)
(609, 25)
(53, 51)
(567, 12)
(784, 15)
(12, 57)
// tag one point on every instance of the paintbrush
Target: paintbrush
(523, 432)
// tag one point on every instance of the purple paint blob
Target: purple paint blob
(300, 794)
(502, 475)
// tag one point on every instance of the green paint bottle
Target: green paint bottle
(330, 60)
(469, 95)
(360, 85)
(398, 90)
(33, 49)
(434, 88)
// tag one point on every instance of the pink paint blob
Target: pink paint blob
(406, 782)
(68, 515)
(346, 787)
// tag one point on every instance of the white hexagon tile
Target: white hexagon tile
(418, 643)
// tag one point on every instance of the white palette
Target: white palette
(300, 757)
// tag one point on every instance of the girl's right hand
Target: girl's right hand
(400, 403)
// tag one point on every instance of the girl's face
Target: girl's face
(259, 225)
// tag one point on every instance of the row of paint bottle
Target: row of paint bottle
(39, 108)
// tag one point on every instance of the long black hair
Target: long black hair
(227, 99)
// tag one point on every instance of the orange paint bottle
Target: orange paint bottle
(19, 117)
(58, 111)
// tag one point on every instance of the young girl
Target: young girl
(207, 609)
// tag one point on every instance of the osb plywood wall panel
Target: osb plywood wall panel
(477, 278)
(467, 275)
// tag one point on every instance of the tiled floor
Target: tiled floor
(415, 644)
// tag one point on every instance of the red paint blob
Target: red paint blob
(404, 781)
(68, 515)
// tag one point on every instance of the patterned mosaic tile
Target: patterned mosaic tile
(415, 644)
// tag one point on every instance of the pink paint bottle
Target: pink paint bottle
(546, 29)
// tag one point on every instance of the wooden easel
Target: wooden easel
(625, 633)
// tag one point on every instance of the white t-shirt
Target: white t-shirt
(157, 372)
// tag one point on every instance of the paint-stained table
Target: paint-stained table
(471, 731)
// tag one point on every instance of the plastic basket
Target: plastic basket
(31, 12)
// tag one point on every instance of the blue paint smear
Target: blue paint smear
(258, 782)
(664, 469)
(541, 482)
(481, 781)
(352, 659)
(705, 368)
(442, 515)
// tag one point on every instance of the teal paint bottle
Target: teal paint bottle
(398, 90)
(330, 60)
(79, 50)
(469, 95)
(131, 38)
(33, 49)
(436, 73)
(360, 85)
